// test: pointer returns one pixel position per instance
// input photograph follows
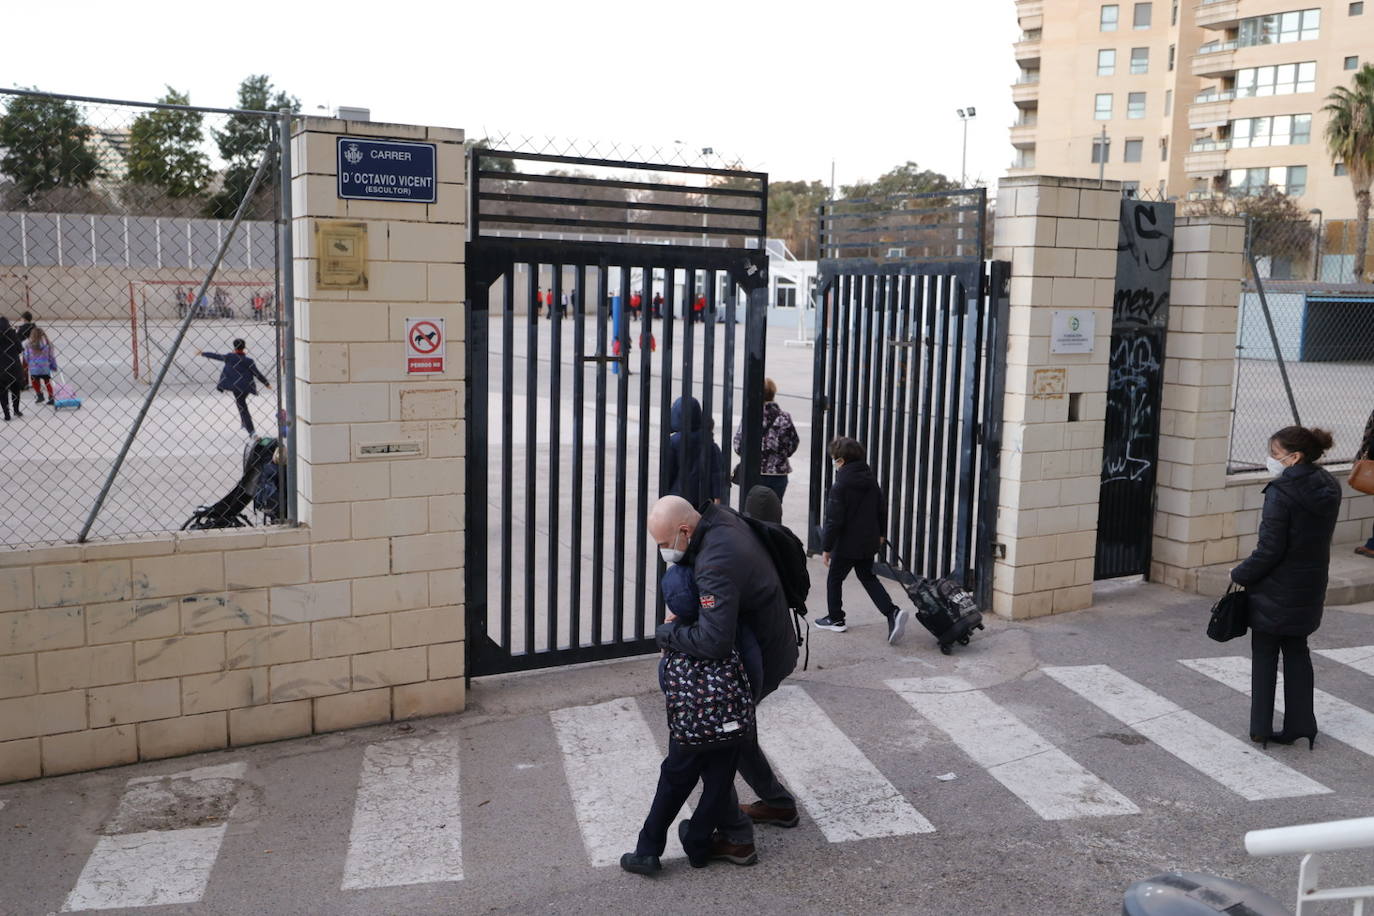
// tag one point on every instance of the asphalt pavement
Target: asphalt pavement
(1041, 769)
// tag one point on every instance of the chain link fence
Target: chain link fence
(132, 238)
(1305, 338)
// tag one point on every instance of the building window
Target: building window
(1173, 13)
(1339, 171)
(1168, 102)
(1135, 105)
(1285, 79)
(1130, 189)
(1102, 107)
(1352, 63)
(1106, 62)
(1140, 60)
(1357, 9)
(1281, 130)
(1133, 151)
(1142, 16)
(1171, 58)
(1290, 180)
(1163, 149)
(1110, 13)
(1102, 150)
(1280, 28)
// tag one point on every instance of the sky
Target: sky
(785, 88)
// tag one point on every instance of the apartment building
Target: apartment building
(1190, 98)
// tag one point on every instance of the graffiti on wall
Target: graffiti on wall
(1130, 446)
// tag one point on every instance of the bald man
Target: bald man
(738, 585)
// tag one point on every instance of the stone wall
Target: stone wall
(139, 649)
(1060, 235)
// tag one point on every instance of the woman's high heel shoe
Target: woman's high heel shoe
(1286, 738)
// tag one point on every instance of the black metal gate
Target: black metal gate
(571, 395)
(1130, 444)
(911, 361)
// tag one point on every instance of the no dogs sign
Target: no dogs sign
(424, 346)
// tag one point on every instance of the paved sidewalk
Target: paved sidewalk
(1060, 797)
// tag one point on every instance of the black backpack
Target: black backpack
(789, 559)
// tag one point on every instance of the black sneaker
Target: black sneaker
(830, 623)
(640, 865)
(896, 625)
(38, 400)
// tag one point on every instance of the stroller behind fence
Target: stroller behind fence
(943, 606)
(229, 511)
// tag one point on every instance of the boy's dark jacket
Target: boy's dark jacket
(238, 373)
(855, 513)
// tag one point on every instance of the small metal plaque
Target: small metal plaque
(341, 250)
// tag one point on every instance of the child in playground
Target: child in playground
(41, 363)
(237, 379)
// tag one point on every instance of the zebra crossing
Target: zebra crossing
(404, 825)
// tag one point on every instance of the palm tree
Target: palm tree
(1350, 139)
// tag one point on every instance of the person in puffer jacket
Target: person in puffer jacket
(780, 441)
(1285, 578)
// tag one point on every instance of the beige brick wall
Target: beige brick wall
(1060, 236)
(1205, 517)
(124, 651)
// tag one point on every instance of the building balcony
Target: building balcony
(1205, 162)
(1217, 14)
(1023, 135)
(1215, 59)
(1210, 110)
(1025, 94)
(1027, 53)
(1030, 14)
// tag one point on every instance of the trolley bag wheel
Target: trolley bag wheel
(944, 649)
(963, 640)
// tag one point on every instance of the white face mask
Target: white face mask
(672, 555)
(1275, 466)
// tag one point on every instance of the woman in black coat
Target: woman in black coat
(1285, 577)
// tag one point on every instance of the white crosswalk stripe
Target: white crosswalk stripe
(1236, 765)
(1361, 658)
(611, 762)
(1335, 717)
(840, 788)
(407, 820)
(1051, 782)
(154, 867)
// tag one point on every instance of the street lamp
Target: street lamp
(1317, 249)
(965, 115)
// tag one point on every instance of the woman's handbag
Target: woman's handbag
(710, 705)
(1230, 615)
(1362, 476)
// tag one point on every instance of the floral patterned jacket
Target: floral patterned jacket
(780, 440)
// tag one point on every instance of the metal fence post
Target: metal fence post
(288, 306)
(1269, 319)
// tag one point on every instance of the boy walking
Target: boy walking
(855, 519)
(237, 379)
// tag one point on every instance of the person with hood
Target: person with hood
(1285, 578)
(237, 379)
(13, 378)
(694, 465)
(780, 441)
(855, 519)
